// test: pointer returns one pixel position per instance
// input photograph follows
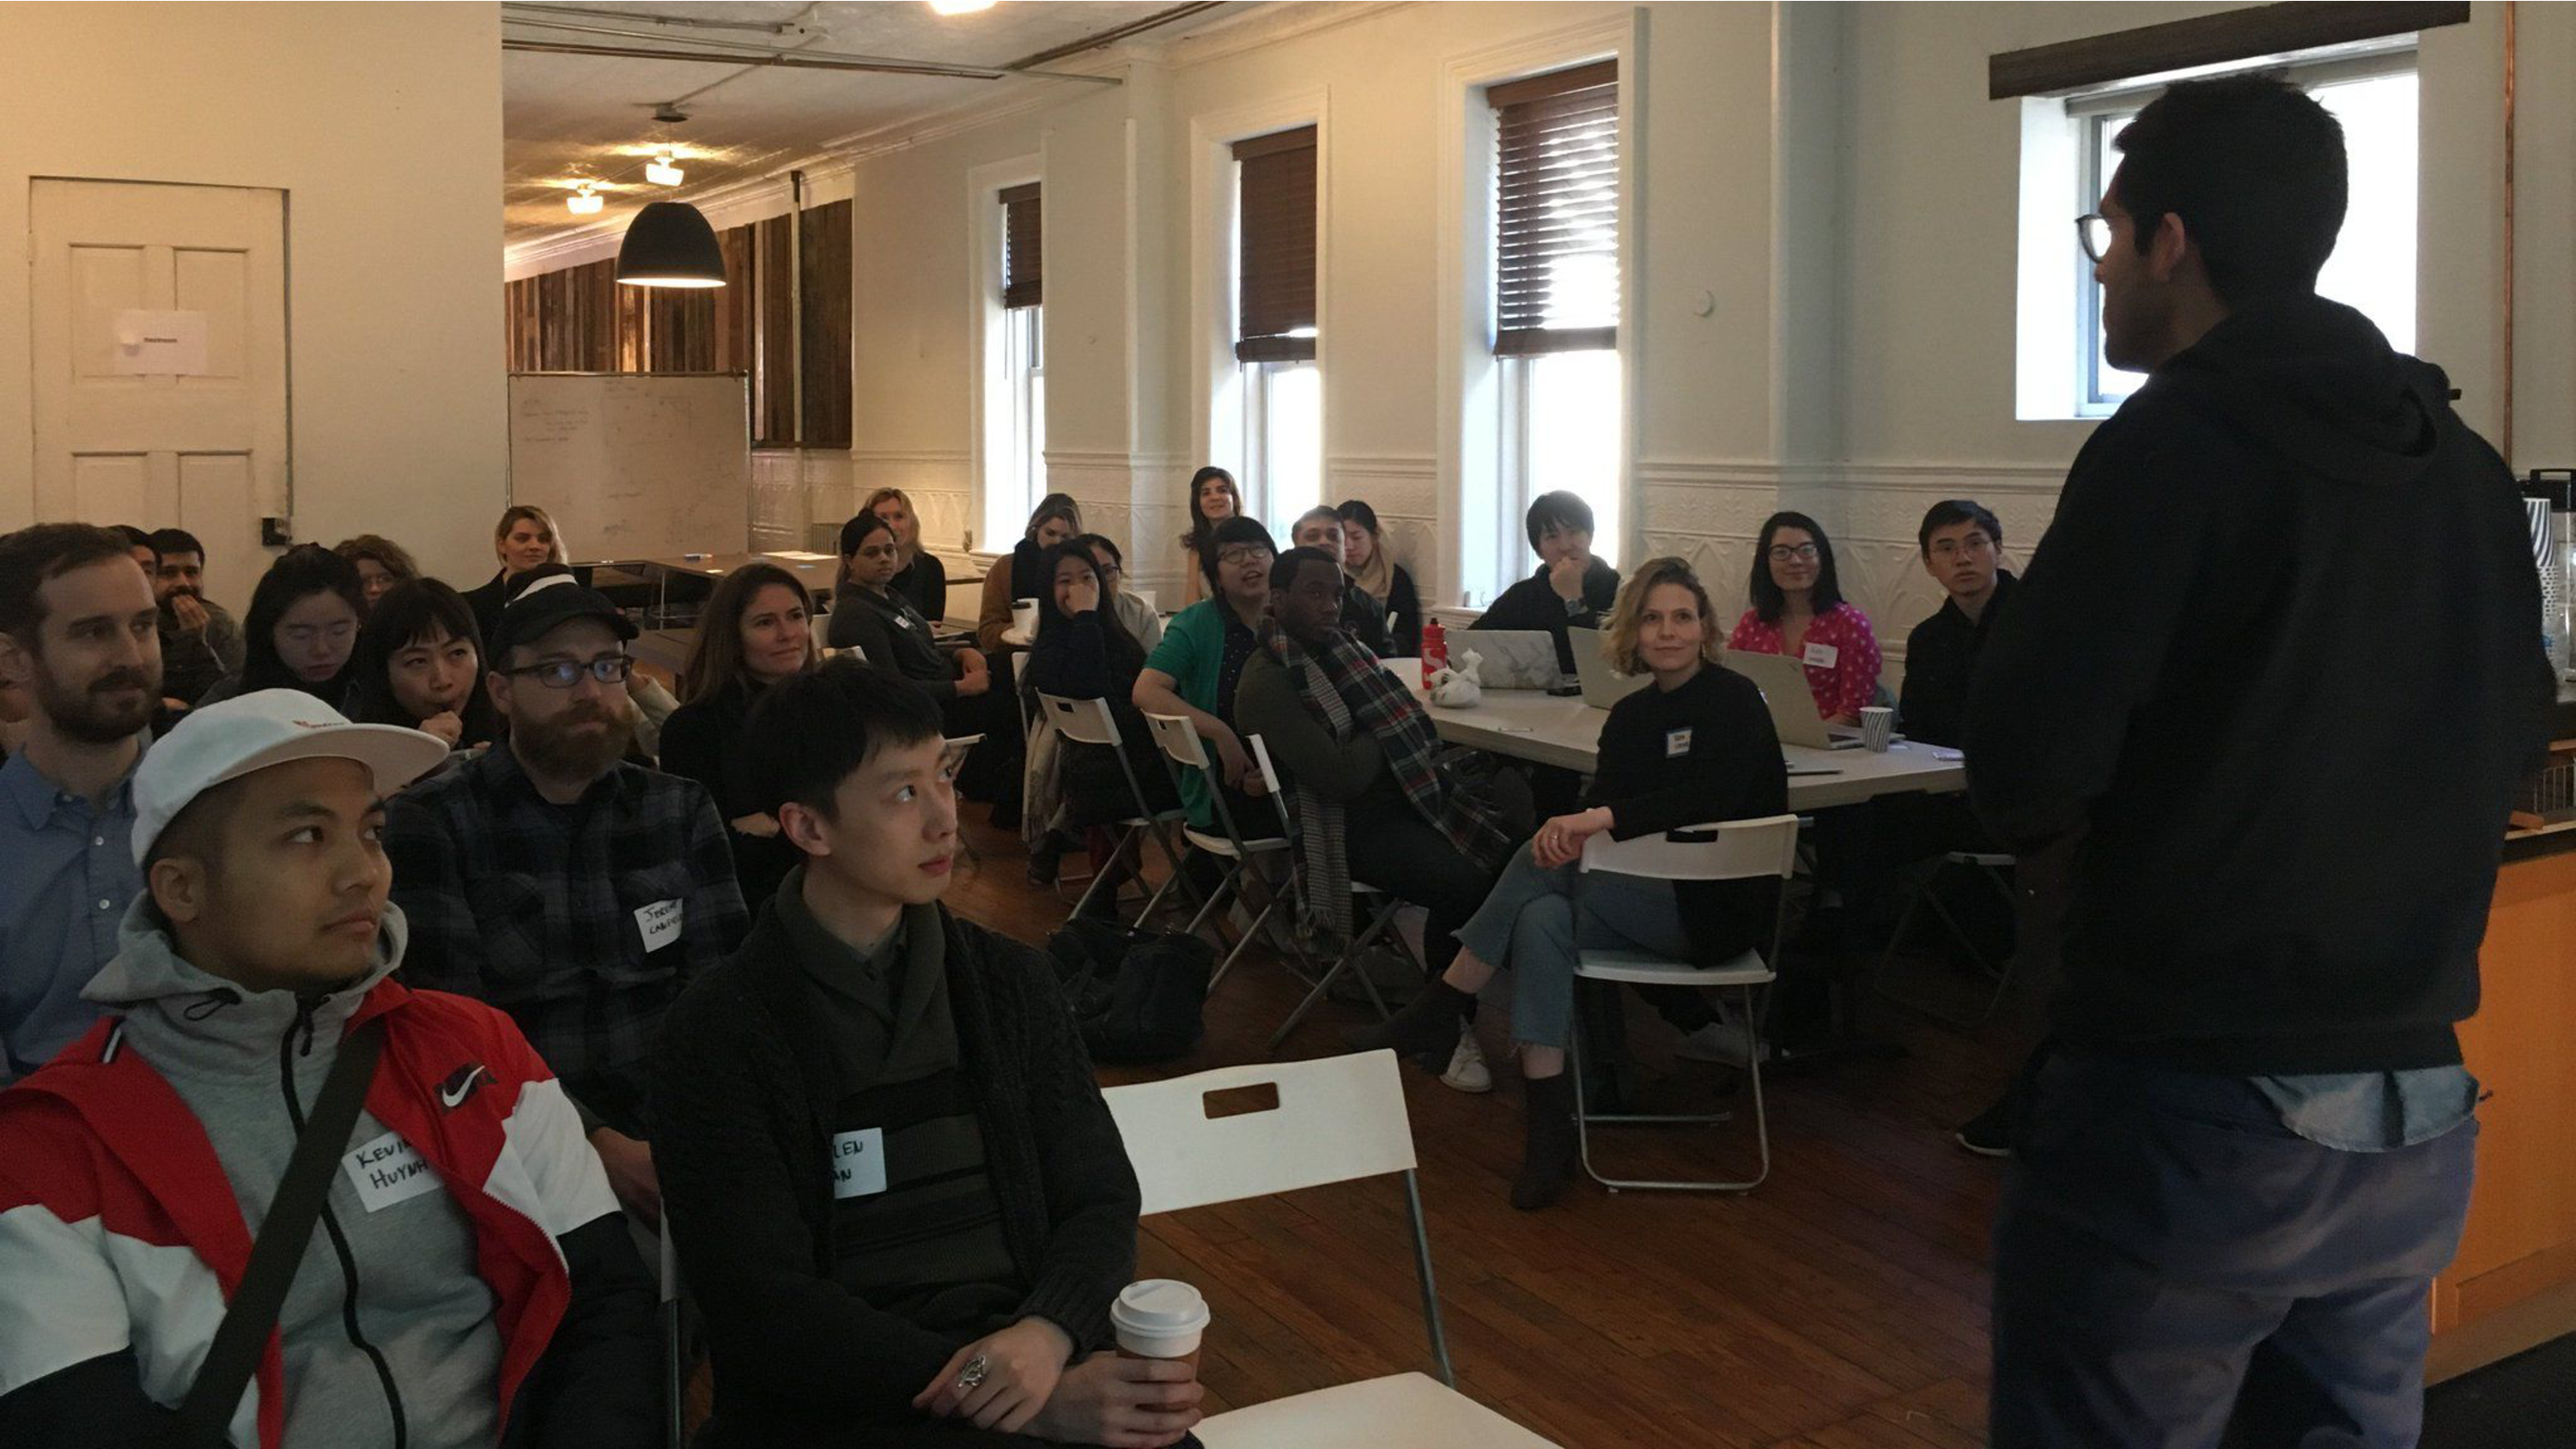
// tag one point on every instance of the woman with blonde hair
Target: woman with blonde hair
(751, 634)
(524, 540)
(919, 575)
(1695, 747)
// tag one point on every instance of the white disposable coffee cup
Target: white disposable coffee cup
(1877, 728)
(1024, 616)
(1160, 1318)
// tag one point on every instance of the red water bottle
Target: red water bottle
(1435, 650)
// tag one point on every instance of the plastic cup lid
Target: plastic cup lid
(1161, 1305)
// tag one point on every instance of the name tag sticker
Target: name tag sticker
(858, 1163)
(660, 923)
(1676, 743)
(1821, 656)
(387, 1171)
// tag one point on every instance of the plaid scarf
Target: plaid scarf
(1351, 691)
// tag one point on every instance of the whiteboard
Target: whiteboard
(635, 465)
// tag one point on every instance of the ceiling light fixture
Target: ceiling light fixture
(664, 170)
(959, 7)
(585, 201)
(669, 244)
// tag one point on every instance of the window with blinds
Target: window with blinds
(1556, 211)
(1023, 248)
(1276, 262)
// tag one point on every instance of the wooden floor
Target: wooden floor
(1840, 1306)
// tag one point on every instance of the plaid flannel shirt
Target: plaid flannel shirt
(543, 910)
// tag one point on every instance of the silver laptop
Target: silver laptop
(1603, 686)
(1783, 682)
(1510, 658)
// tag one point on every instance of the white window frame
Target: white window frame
(1516, 484)
(997, 514)
(1260, 489)
(1024, 380)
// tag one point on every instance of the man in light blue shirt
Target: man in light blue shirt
(80, 632)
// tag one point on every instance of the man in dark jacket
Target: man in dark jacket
(2279, 659)
(1571, 586)
(896, 1191)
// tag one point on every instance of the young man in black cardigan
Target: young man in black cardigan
(896, 1192)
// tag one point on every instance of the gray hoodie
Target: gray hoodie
(389, 1316)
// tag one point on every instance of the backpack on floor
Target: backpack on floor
(1136, 995)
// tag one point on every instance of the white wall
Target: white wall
(382, 123)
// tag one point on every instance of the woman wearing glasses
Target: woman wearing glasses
(301, 629)
(1798, 610)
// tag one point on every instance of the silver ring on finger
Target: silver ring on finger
(971, 1377)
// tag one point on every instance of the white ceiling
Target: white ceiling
(568, 117)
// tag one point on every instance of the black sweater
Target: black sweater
(1702, 752)
(744, 1156)
(701, 741)
(1533, 604)
(894, 636)
(2278, 657)
(1403, 614)
(1940, 661)
(925, 582)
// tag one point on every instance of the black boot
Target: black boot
(1548, 1157)
(1427, 1026)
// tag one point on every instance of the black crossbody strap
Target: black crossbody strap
(206, 1416)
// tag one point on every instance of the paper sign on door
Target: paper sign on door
(160, 344)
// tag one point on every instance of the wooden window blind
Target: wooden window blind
(1556, 211)
(2229, 35)
(1023, 248)
(1276, 266)
(826, 320)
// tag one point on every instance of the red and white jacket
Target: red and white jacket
(119, 1230)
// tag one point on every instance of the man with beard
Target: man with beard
(552, 878)
(200, 642)
(79, 637)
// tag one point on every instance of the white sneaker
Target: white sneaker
(1720, 1042)
(1467, 1070)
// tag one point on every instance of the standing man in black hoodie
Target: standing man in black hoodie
(2278, 658)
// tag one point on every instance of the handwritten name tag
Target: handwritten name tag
(387, 1171)
(1821, 656)
(1676, 743)
(660, 923)
(858, 1163)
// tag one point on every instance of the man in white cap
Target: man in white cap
(469, 1280)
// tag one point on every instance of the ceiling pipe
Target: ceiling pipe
(1027, 63)
(768, 27)
(773, 59)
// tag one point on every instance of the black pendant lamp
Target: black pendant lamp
(669, 244)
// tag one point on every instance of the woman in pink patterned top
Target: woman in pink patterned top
(1798, 610)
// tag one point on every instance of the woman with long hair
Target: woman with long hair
(1378, 575)
(918, 574)
(419, 664)
(1214, 498)
(869, 616)
(1022, 574)
(524, 540)
(752, 633)
(1799, 610)
(1084, 650)
(1696, 747)
(1110, 562)
(301, 629)
(382, 563)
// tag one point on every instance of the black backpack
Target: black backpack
(1136, 995)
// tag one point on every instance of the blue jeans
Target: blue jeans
(2168, 1254)
(1537, 919)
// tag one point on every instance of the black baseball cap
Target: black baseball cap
(547, 603)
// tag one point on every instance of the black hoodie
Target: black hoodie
(2278, 657)
(1533, 603)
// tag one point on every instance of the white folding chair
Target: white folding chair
(1091, 722)
(1181, 746)
(1996, 869)
(1339, 1119)
(1388, 903)
(1730, 850)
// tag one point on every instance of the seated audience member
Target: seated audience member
(1362, 617)
(382, 563)
(419, 664)
(146, 552)
(200, 642)
(1214, 498)
(552, 878)
(1375, 572)
(80, 642)
(1083, 650)
(1960, 542)
(468, 1269)
(1799, 610)
(1021, 575)
(918, 575)
(1696, 747)
(525, 539)
(869, 616)
(1143, 624)
(1360, 760)
(654, 704)
(1194, 671)
(896, 1191)
(751, 634)
(301, 629)
(1570, 587)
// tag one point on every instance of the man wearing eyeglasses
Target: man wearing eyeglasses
(555, 879)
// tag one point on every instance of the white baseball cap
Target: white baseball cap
(251, 732)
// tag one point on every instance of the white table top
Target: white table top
(1547, 729)
(716, 565)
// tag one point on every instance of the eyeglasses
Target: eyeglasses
(1953, 547)
(2093, 234)
(1242, 553)
(1793, 552)
(565, 673)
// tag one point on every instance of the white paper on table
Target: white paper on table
(801, 556)
(160, 344)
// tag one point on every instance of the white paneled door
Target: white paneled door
(160, 363)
